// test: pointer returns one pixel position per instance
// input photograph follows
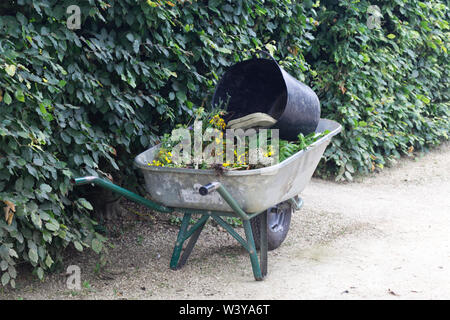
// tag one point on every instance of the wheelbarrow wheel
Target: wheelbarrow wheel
(278, 222)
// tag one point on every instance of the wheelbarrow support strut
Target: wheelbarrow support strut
(259, 266)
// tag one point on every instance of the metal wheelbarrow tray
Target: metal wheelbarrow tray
(252, 195)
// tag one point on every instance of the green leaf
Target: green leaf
(78, 246)
(13, 253)
(46, 188)
(130, 37)
(5, 278)
(33, 255)
(44, 106)
(85, 204)
(49, 261)
(40, 273)
(391, 36)
(349, 167)
(223, 50)
(136, 46)
(348, 176)
(7, 98)
(181, 96)
(36, 220)
(12, 272)
(19, 95)
(53, 225)
(10, 70)
(44, 216)
(96, 245)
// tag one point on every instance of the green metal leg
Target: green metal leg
(252, 251)
(184, 234)
(232, 232)
(179, 244)
(259, 272)
(259, 266)
(192, 241)
(264, 246)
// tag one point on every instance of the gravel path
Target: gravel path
(384, 237)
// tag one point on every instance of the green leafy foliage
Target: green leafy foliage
(82, 102)
(289, 148)
(387, 86)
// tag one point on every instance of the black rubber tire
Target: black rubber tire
(278, 222)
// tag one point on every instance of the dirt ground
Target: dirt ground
(386, 236)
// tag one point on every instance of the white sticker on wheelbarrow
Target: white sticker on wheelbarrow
(192, 195)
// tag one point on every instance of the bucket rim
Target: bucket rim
(241, 64)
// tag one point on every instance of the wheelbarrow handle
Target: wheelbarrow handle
(122, 191)
(209, 188)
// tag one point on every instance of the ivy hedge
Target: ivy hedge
(386, 85)
(86, 101)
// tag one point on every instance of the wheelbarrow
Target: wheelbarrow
(263, 199)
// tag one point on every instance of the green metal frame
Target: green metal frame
(259, 266)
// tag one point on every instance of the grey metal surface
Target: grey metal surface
(254, 190)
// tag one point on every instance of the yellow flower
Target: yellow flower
(225, 164)
(156, 163)
(218, 122)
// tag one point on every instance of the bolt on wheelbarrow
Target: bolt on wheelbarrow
(263, 199)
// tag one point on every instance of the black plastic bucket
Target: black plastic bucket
(261, 85)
